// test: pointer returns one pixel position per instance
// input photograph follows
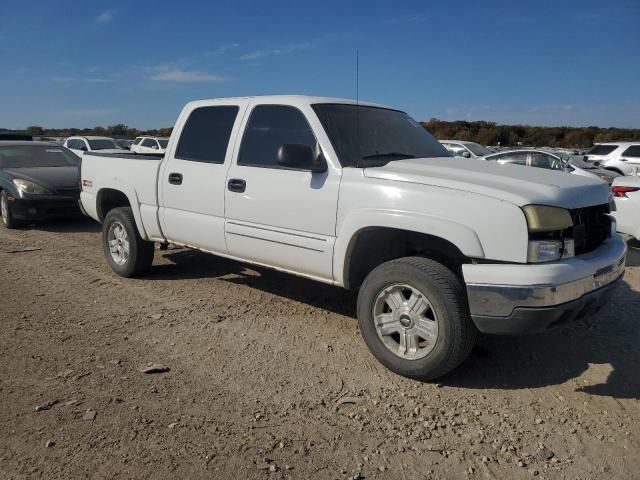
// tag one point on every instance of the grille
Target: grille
(69, 192)
(591, 227)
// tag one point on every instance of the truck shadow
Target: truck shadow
(598, 354)
(66, 225)
(190, 264)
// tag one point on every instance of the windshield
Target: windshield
(602, 149)
(477, 149)
(372, 136)
(103, 144)
(23, 156)
(163, 143)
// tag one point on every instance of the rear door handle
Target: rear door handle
(175, 178)
(237, 185)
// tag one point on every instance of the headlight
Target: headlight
(30, 187)
(550, 250)
(541, 218)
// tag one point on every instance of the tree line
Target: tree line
(486, 133)
(490, 133)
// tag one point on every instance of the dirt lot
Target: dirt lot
(270, 379)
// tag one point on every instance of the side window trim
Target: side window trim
(246, 128)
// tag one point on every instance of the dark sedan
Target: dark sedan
(37, 180)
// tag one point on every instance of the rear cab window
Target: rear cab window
(206, 133)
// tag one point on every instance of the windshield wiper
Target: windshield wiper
(388, 154)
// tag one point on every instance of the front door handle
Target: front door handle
(237, 185)
(175, 178)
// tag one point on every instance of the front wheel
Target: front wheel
(127, 252)
(414, 317)
(5, 210)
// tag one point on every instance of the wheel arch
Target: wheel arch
(109, 198)
(367, 246)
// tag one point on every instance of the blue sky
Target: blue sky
(87, 63)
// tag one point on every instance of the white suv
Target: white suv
(81, 144)
(621, 157)
(149, 145)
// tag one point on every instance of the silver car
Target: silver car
(553, 161)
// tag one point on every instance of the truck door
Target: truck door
(192, 179)
(280, 216)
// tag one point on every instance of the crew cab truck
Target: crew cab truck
(362, 197)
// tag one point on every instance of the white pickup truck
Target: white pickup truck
(362, 197)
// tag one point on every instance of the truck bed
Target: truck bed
(134, 175)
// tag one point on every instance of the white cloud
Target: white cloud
(74, 79)
(409, 18)
(276, 51)
(165, 74)
(105, 17)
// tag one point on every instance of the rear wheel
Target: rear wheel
(5, 210)
(414, 317)
(127, 252)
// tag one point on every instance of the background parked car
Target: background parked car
(79, 145)
(460, 148)
(622, 157)
(626, 193)
(124, 143)
(552, 161)
(37, 180)
(149, 145)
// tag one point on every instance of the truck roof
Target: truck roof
(288, 100)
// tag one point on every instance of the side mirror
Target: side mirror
(83, 148)
(301, 157)
(466, 154)
(155, 147)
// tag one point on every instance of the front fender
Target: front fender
(462, 236)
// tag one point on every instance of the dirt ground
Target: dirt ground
(269, 378)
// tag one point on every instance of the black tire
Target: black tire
(140, 254)
(7, 220)
(445, 292)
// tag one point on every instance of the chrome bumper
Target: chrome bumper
(502, 300)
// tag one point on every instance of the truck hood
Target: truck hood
(512, 183)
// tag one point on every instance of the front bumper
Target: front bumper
(533, 298)
(46, 207)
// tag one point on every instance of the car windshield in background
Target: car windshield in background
(477, 149)
(602, 149)
(371, 136)
(163, 143)
(103, 144)
(23, 156)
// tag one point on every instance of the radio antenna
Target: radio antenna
(357, 77)
(358, 103)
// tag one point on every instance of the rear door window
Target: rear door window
(205, 136)
(632, 151)
(543, 160)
